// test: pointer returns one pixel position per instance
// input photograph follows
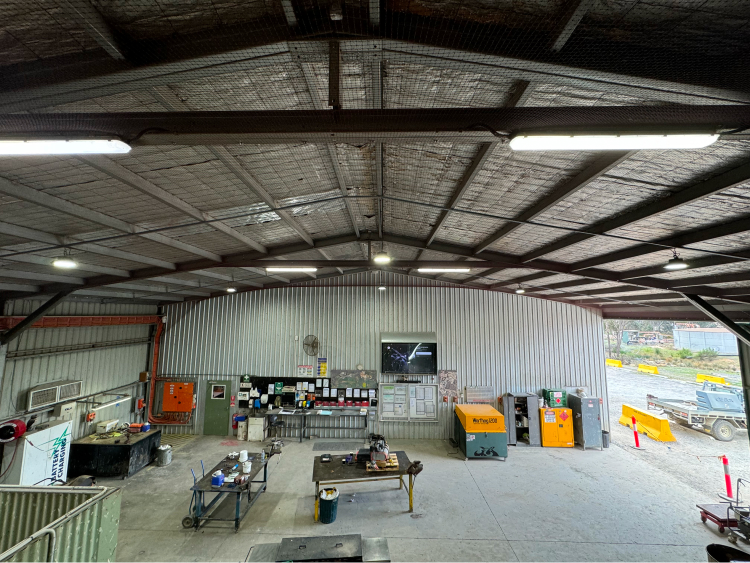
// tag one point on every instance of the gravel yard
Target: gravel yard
(694, 456)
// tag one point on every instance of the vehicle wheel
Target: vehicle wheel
(721, 529)
(722, 431)
(188, 522)
(703, 519)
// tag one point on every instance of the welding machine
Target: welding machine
(480, 431)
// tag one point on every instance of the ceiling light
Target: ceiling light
(381, 288)
(676, 263)
(65, 263)
(291, 269)
(444, 270)
(610, 142)
(231, 290)
(382, 258)
(62, 146)
(520, 290)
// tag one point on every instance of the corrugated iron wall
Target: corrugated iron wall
(100, 369)
(89, 535)
(510, 342)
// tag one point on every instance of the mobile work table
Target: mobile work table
(337, 473)
(229, 509)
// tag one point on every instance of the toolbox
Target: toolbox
(556, 398)
(480, 431)
(557, 427)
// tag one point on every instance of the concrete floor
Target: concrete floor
(541, 505)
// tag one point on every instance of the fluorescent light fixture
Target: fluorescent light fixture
(382, 258)
(21, 147)
(291, 269)
(65, 263)
(444, 270)
(676, 263)
(520, 290)
(381, 288)
(610, 142)
(231, 290)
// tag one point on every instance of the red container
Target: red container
(341, 401)
(365, 403)
(350, 403)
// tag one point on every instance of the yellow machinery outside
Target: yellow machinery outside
(480, 431)
(557, 427)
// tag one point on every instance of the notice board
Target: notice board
(408, 402)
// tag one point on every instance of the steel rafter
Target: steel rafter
(372, 125)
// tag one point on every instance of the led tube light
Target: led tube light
(610, 142)
(19, 147)
(291, 269)
(444, 270)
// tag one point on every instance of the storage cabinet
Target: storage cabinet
(518, 423)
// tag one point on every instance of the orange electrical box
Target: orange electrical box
(178, 397)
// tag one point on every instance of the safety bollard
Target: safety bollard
(635, 433)
(727, 477)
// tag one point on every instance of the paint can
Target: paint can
(247, 466)
(243, 456)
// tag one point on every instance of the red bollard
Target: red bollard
(727, 478)
(635, 433)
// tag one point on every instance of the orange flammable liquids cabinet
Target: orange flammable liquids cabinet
(178, 397)
(557, 427)
(480, 431)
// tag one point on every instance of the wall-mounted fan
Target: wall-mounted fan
(311, 344)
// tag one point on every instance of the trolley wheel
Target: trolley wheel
(721, 529)
(188, 522)
(703, 518)
(722, 431)
(732, 538)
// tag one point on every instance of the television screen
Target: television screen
(399, 357)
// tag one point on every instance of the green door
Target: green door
(216, 408)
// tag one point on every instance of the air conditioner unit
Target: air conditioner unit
(50, 393)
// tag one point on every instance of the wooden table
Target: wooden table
(336, 473)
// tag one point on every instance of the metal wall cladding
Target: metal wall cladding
(725, 343)
(90, 535)
(100, 369)
(509, 342)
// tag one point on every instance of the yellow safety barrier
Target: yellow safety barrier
(648, 369)
(712, 378)
(655, 427)
(613, 363)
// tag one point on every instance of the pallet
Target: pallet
(391, 464)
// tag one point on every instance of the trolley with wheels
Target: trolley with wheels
(230, 502)
(720, 514)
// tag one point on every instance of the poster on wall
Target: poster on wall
(322, 367)
(393, 404)
(362, 379)
(304, 371)
(448, 383)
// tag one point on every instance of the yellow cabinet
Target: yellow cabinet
(557, 427)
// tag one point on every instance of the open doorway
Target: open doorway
(696, 386)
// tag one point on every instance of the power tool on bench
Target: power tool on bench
(378, 450)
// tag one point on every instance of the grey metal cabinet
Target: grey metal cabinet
(587, 421)
(521, 414)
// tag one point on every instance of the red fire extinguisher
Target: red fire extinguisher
(234, 420)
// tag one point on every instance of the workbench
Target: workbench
(229, 509)
(337, 473)
(303, 415)
(113, 456)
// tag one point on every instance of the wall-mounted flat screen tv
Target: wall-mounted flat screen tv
(401, 357)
